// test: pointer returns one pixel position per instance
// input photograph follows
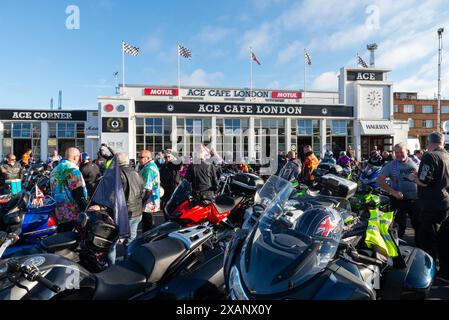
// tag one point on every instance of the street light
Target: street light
(440, 46)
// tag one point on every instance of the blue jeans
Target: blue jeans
(133, 226)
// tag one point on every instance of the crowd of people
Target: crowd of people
(418, 184)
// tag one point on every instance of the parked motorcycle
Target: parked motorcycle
(228, 208)
(184, 264)
(306, 251)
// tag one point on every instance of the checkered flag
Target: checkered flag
(307, 58)
(129, 49)
(184, 52)
(361, 62)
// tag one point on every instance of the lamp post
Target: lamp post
(440, 46)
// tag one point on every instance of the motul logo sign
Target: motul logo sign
(158, 92)
(286, 95)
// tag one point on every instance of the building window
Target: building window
(153, 134)
(395, 108)
(444, 109)
(409, 108)
(339, 134)
(232, 139)
(427, 109)
(270, 138)
(306, 132)
(411, 123)
(428, 124)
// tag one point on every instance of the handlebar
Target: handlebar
(31, 273)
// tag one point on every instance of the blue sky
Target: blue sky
(40, 55)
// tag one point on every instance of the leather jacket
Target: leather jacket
(10, 172)
(134, 190)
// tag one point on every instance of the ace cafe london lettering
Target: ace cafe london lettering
(245, 109)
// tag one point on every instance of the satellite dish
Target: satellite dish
(446, 126)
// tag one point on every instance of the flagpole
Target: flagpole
(304, 75)
(123, 66)
(251, 73)
(179, 75)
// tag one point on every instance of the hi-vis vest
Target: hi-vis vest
(108, 164)
(377, 234)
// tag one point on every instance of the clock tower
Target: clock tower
(370, 93)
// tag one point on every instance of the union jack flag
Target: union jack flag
(325, 228)
(39, 197)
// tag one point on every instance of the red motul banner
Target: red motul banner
(286, 95)
(160, 92)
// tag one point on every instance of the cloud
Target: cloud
(261, 39)
(212, 35)
(201, 78)
(293, 50)
(326, 81)
(152, 44)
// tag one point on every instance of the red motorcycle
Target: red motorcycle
(236, 194)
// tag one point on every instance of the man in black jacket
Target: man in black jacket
(433, 197)
(203, 178)
(169, 172)
(11, 170)
(91, 173)
(134, 190)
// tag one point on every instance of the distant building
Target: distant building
(420, 113)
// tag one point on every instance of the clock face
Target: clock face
(374, 98)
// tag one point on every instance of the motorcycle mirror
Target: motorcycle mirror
(82, 220)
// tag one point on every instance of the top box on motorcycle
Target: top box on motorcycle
(246, 182)
(325, 168)
(339, 186)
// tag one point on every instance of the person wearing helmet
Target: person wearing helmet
(329, 158)
(91, 173)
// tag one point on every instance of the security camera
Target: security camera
(440, 31)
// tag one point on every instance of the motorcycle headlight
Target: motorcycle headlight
(236, 291)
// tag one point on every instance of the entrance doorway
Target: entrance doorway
(20, 146)
(383, 143)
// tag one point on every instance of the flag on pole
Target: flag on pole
(39, 197)
(109, 193)
(307, 58)
(184, 52)
(361, 62)
(254, 58)
(131, 50)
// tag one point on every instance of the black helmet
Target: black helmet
(321, 223)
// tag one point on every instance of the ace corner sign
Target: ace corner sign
(115, 125)
(34, 115)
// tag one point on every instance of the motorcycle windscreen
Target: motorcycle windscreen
(275, 190)
(279, 258)
(179, 196)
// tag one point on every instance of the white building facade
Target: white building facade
(43, 131)
(253, 125)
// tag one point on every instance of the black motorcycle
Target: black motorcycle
(184, 264)
(306, 251)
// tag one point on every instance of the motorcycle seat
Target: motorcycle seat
(146, 265)
(156, 257)
(60, 241)
(118, 282)
(224, 203)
